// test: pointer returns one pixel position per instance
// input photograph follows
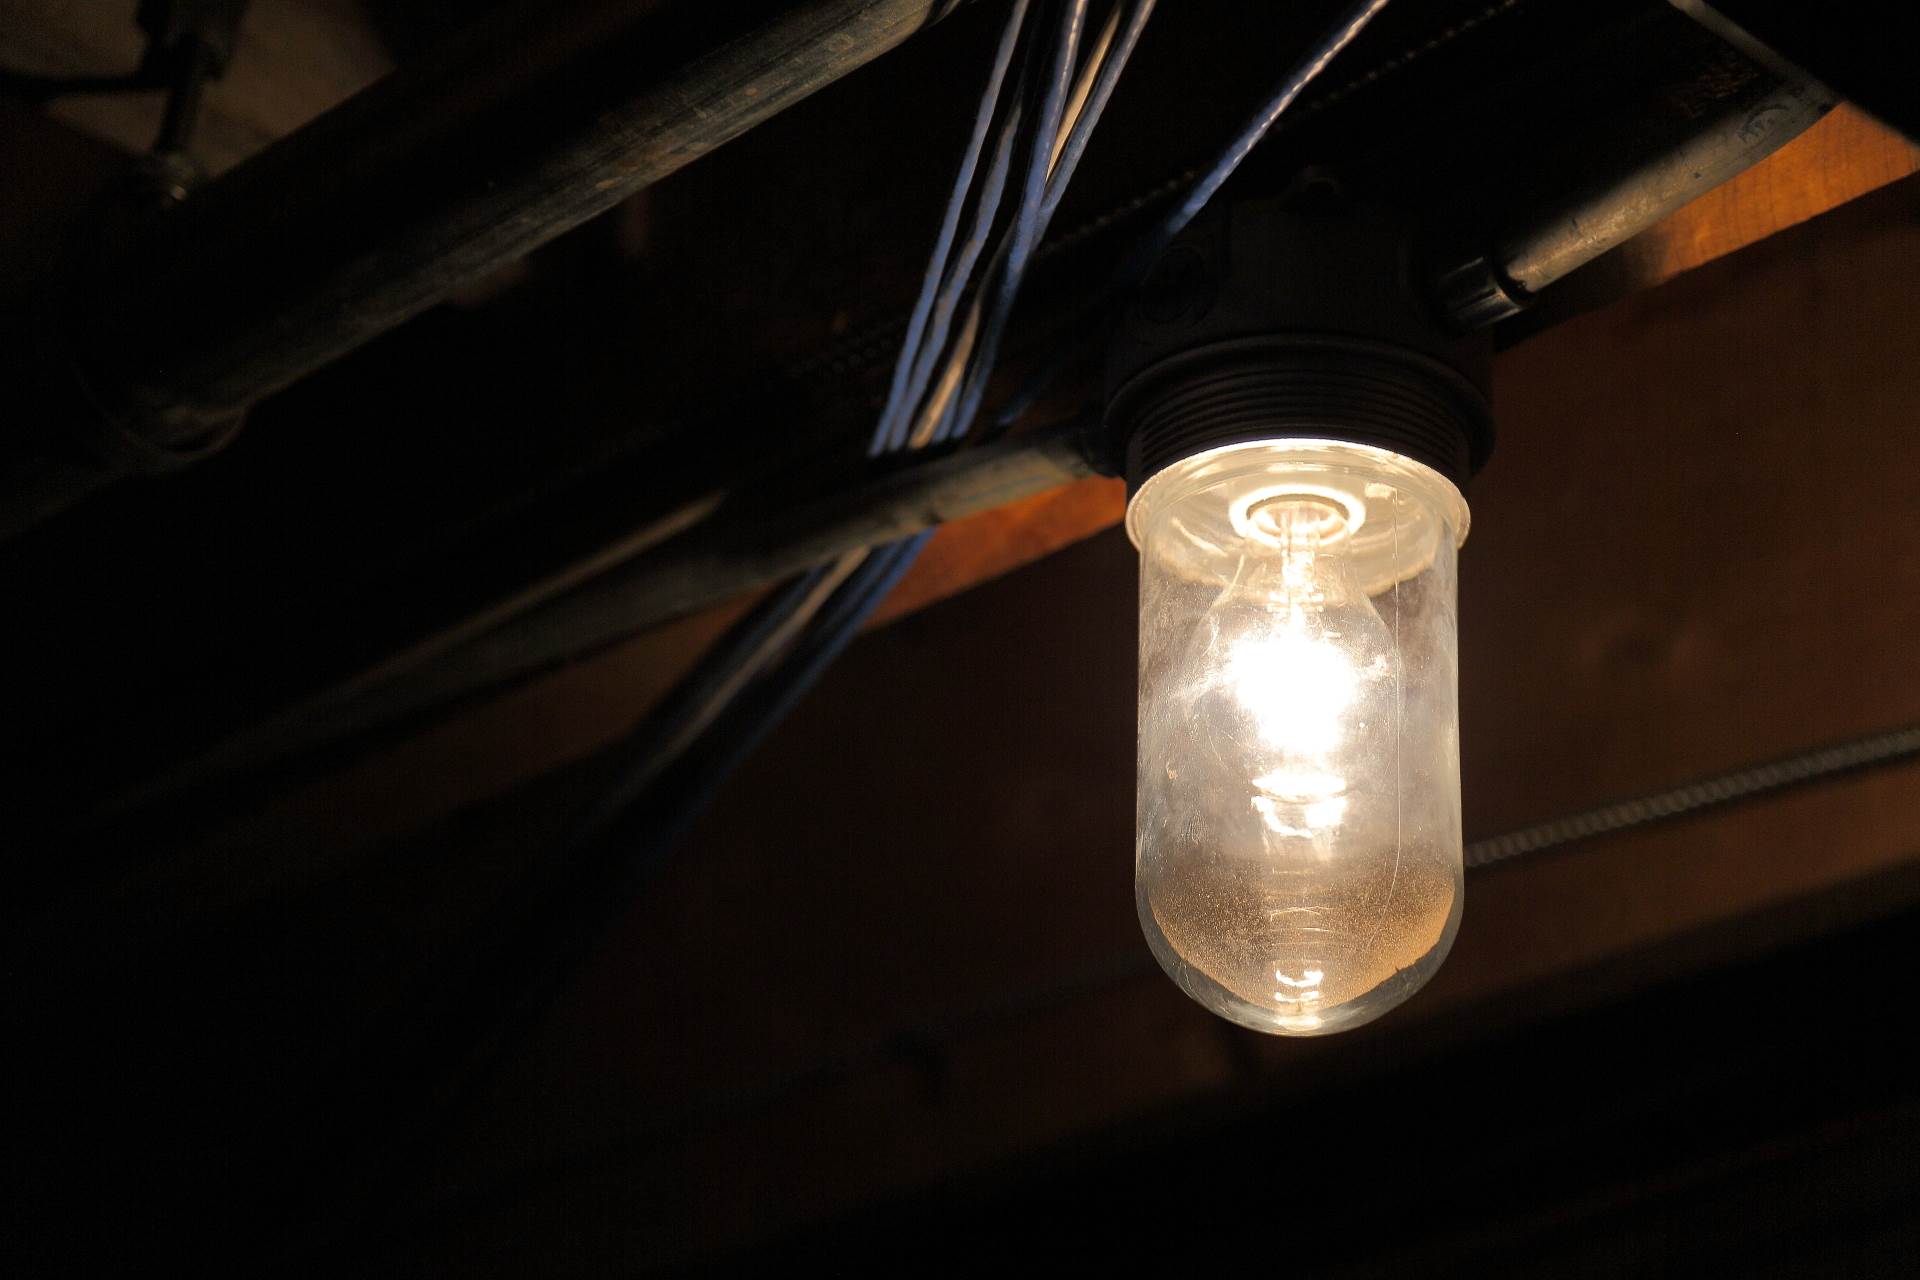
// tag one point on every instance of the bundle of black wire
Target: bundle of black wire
(1045, 91)
(1039, 107)
(1036, 123)
(1041, 102)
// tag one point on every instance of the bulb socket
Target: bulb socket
(1309, 386)
(1276, 319)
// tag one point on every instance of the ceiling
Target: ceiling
(891, 989)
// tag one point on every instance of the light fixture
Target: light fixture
(1297, 436)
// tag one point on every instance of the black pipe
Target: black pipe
(522, 128)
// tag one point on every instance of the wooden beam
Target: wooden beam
(968, 552)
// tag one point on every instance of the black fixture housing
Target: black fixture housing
(1302, 315)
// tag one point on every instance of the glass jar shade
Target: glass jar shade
(1298, 841)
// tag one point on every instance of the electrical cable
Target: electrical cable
(1052, 83)
(722, 672)
(818, 614)
(1059, 84)
(864, 349)
(1749, 783)
(1029, 224)
(950, 222)
(1304, 73)
(943, 279)
(771, 658)
(1135, 265)
(629, 838)
(1110, 58)
(614, 844)
(766, 704)
(746, 685)
(1091, 65)
(895, 429)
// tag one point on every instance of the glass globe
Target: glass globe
(1298, 854)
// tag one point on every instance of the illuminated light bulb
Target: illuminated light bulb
(1298, 856)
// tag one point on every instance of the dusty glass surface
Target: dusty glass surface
(1298, 855)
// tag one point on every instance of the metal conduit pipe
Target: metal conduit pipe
(518, 130)
(1749, 113)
